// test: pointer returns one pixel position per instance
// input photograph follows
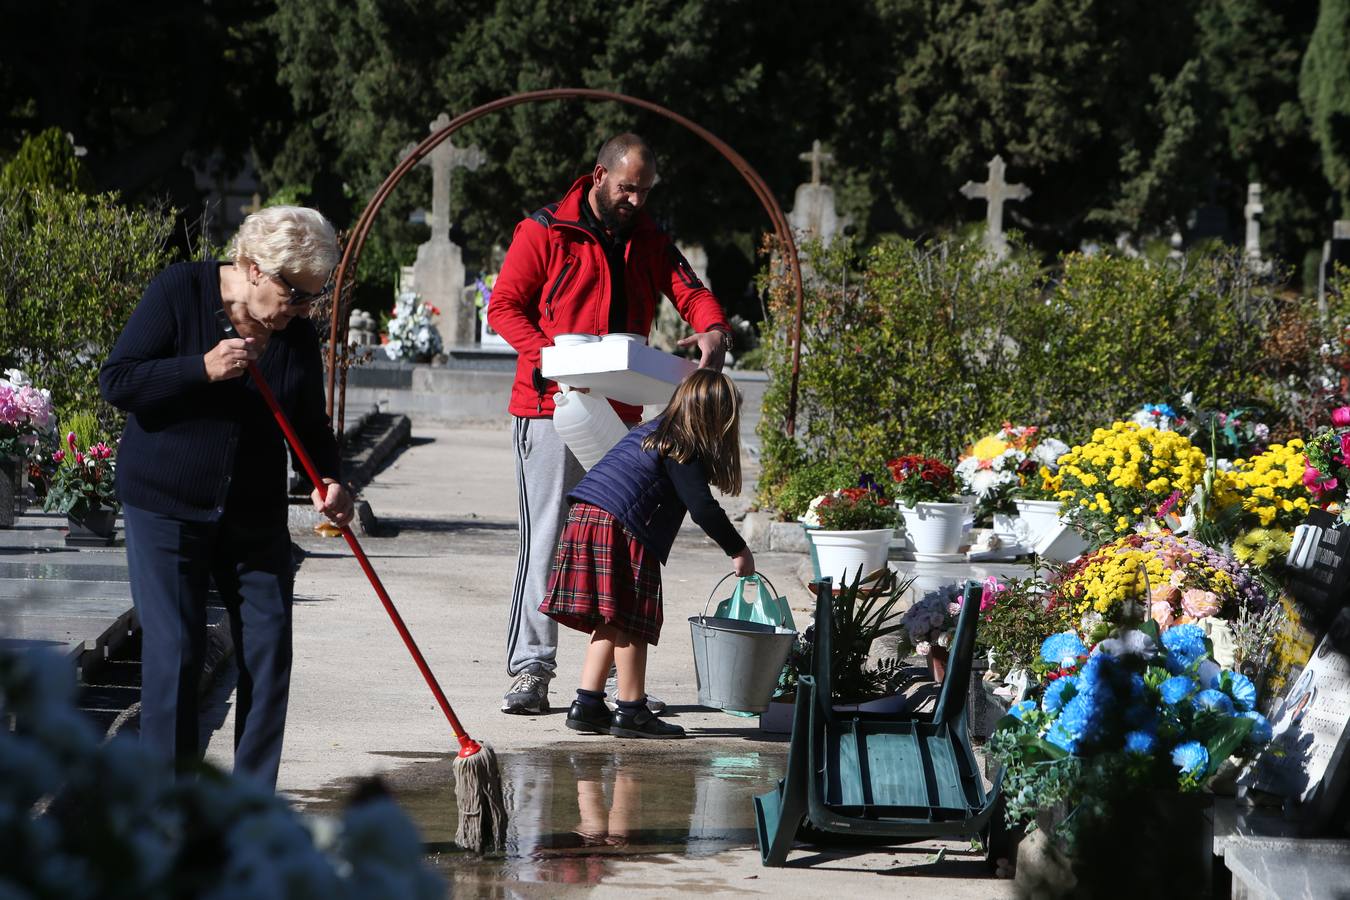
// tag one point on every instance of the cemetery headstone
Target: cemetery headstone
(669, 326)
(995, 191)
(1252, 212)
(1335, 251)
(439, 269)
(813, 215)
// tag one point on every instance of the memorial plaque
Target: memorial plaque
(1308, 759)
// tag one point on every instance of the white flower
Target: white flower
(923, 648)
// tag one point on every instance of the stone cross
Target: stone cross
(439, 269)
(443, 160)
(996, 190)
(1252, 213)
(817, 159)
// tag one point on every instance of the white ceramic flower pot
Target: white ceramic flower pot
(935, 528)
(1039, 518)
(840, 553)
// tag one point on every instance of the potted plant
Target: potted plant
(855, 530)
(1111, 754)
(83, 488)
(994, 469)
(25, 417)
(934, 514)
(863, 610)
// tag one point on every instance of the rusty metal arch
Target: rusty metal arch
(356, 239)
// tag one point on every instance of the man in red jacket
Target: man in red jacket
(593, 263)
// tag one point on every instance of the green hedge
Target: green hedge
(72, 268)
(922, 347)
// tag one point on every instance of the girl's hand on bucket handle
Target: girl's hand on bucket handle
(743, 563)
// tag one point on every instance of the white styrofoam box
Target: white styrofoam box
(622, 370)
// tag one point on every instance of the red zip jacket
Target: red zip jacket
(555, 280)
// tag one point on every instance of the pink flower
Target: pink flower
(989, 593)
(79, 458)
(1161, 612)
(58, 456)
(1340, 416)
(70, 439)
(1200, 604)
(101, 451)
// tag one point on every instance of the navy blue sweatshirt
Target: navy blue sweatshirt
(198, 450)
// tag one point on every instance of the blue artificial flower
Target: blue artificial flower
(1237, 686)
(1019, 710)
(1213, 701)
(1190, 757)
(1062, 738)
(1260, 733)
(1176, 689)
(1055, 698)
(1140, 713)
(1140, 743)
(1080, 717)
(1062, 649)
(1186, 641)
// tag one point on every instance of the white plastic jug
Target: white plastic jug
(587, 424)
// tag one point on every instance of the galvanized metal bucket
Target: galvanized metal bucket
(737, 662)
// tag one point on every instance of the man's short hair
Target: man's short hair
(621, 145)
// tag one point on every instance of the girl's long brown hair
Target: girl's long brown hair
(703, 421)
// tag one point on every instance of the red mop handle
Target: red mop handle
(467, 745)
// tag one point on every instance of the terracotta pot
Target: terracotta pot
(937, 662)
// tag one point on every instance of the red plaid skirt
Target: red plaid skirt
(603, 575)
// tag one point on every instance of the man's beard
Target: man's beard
(609, 217)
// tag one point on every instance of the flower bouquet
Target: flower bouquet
(998, 466)
(25, 415)
(851, 509)
(922, 479)
(930, 622)
(1113, 738)
(1126, 474)
(411, 334)
(1327, 470)
(1168, 578)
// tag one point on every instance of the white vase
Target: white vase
(935, 528)
(1039, 517)
(840, 553)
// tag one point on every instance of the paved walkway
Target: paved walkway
(591, 815)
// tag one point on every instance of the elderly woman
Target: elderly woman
(201, 471)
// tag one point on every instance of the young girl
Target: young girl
(625, 514)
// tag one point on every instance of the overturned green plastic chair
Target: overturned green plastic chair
(878, 775)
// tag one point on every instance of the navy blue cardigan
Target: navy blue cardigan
(194, 449)
(649, 495)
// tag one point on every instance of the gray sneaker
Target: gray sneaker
(528, 695)
(654, 704)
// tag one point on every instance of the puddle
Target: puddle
(574, 812)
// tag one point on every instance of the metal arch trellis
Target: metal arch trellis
(346, 269)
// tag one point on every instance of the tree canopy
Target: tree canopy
(1123, 117)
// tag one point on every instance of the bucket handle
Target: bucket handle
(713, 592)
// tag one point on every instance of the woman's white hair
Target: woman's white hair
(292, 240)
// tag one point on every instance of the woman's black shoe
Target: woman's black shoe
(594, 718)
(642, 724)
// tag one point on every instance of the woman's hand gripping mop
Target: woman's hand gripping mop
(478, 782)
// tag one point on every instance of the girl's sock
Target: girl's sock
(590, 698)
(632, 707)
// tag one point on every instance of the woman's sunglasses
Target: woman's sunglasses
(298, 297)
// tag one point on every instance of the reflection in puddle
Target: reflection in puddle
(573, 812)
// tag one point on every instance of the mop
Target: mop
(478, 780)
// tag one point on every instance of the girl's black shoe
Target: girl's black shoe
(591, 717)
(642, 724)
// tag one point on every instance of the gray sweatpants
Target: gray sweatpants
(545, 472)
